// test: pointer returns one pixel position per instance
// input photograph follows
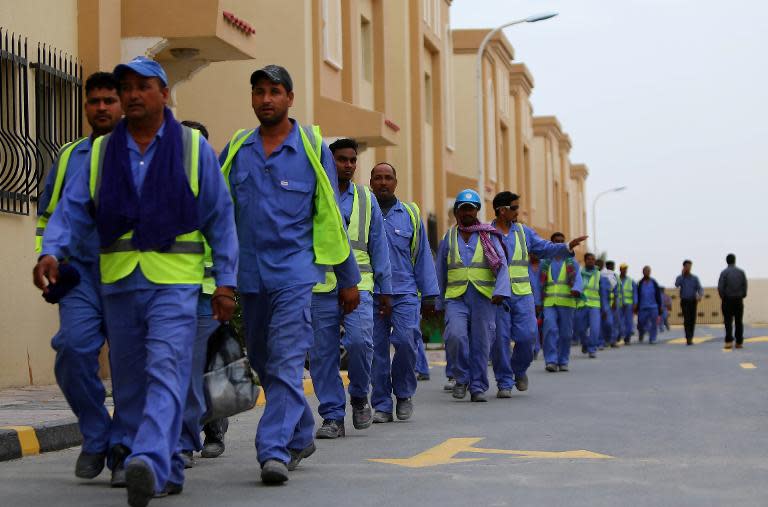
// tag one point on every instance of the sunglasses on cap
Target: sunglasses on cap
(509, 208)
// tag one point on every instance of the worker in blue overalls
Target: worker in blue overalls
(649, 306)
(519, 322)
(628, 291)
(473, 276)
(588, 307)
(81, 335)
(617, 305)
(562, 288)
(369, 243)
(285, 186)
(535, 275)
(413, 275)
(154, 193)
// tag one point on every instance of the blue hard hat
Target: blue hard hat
(467, 196)
(142, 66)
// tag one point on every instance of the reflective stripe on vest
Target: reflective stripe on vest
(415, 214)
(459, 276)
(329, 238)
(518, 267)
(558, 293)
(359, 229)
(627, 292)
(182, 263)
(591, 289)
(61, 170)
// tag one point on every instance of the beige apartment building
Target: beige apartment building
(390, 73)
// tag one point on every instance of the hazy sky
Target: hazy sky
(667, 97)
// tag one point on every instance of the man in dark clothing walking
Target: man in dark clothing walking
(732, 288)
(648, 306)
(691, 293)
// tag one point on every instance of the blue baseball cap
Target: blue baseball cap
(142, 66)
(467, 196)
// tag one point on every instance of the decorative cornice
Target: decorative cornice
(519, 75)
(469, 40)
(579, 171)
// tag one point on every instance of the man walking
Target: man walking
(617, 305)
(413, 274)
(588, 307)
(562, 288)
(473, 276)
(691, 293)
(80, 336)
(732, 287)
(363, 217)
(284, 183)
(154, 194)
(628, 296)
(648, 306)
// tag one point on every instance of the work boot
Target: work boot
(212, 448)
(614, 345)
(592, 355)
(504, 393)
(380, 417)
(330, 429)
(89, 466)
(460, 391)
(563, 367)
(274, 472)
(478, 397)
(728, 345)
(583, 349)
(361, 413)
(188, 458)
(739, 345)
(119, 453)
(297, 456)
(521, 382)
(551, 367)
(422, 377)
(140, 482)
(404, 408)
(450, 384)
(689, 341)
(626, 341)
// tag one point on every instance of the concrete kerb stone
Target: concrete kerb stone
(20, 441)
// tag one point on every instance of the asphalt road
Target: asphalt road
(665, 425)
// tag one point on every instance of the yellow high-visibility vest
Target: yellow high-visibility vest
(478, 273)
(591, 289)
(518, 267)
(627, 291)
(558, 293)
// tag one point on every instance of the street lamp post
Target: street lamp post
(594, 214)
(479, 94)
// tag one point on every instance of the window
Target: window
(366, 48)
(332, 33)
(449, 108)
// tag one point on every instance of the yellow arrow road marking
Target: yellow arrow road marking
(757, 339)
(748, 366)
(696, 339)
(443, 454)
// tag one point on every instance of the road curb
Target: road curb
(19, 441)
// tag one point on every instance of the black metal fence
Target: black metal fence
(24, 158)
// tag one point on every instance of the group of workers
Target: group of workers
(144, 234)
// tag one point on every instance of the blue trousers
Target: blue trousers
(327, 317)
(627, 319)
(558, 329)
(77, 345)
(422, 363)
(151, 336)
(195, 405)
(470, 328)
(587, 327)
(606, 328)
(400, 331)
(517, 322)
(646, 322)
(279, 335)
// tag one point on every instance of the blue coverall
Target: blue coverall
(627, 314)
(470, 319)
(327, 316)
(648, 309)
(81, 327)
(401, 330)
(535, 276)
(609, 334)
(274, 206)
(558, 320)
(618, 311)
(518, 320)
(589, 317)
(151, 327)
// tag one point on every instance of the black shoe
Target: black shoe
(592, 355)
(361, 413)
(563, 367)
(689, 341)
(404, 408)
(551, 367)
(626, 342)
(297, 456)
(583, 349)
(89, 466)
(422, 377)
(140, 480)
(640, 338)
(274, 472)
(478, 397)
(119, 453)
(614, 345)
(504, 393)
(460, 391)
(212, 448)
(330, 429)
(188, 458)
(380, 417)
(521, 382)
(449, 385)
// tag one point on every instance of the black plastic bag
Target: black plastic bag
(229, 382)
